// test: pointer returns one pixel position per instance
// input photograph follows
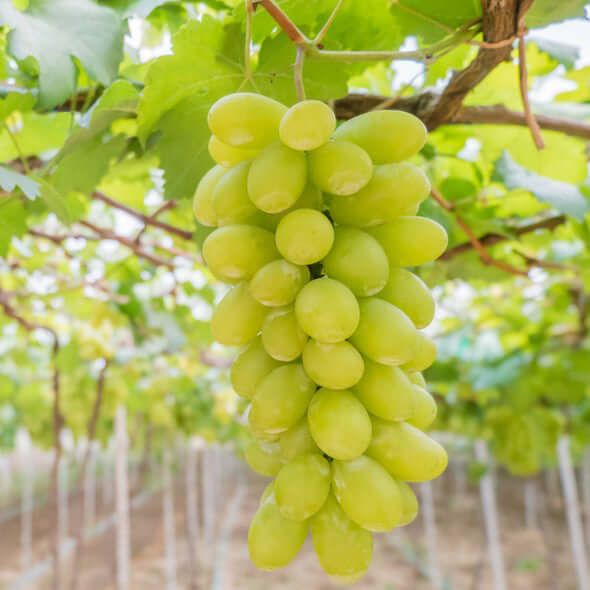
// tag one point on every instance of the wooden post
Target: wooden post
(107, 474)
(570, 492)
(169, 529)
(490, 514)
(192, 516)
(586, 491)
(24, 454)
(431, 542)
(207, 500)
(530, 504)
(90, 488)
(122, 499)
(62, 504)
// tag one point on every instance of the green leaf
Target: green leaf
(54, 31)
(420, 17)
(565, 197)
(16, 100)
(9, 179)
(561, 52)
(118, 102)
(12, 223)
(545, 12)
(68, 208)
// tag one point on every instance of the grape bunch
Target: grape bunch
(315, 228)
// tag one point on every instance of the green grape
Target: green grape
(339, 424)
(278, 282)
(335, 366)
(394, 190)
(411, 241)
(385, 333)
(246, 120)
(344, 549)
(327, 310)
(238, 317)
(340, 168)
(311, 198)
(297, 441)
(304, 236)
(282, 337)
(357, 260)
(264, 457)
(307, 125)
(203, 208)
(367, 493)
(250, 367)
(408, 292)
(406, 452)
(277, 178)
(264, 436)
(281, 400)
(424, 356)
(273, 540)
(228, 155)
(230, 198)
(268, 490)
(302, 486)
(409, 503)
(387, 136)
(424, 408)
(237, 252)
(416, 378)
(385, 391)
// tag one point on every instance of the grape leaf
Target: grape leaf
(12, 223)
(420, 17)
(16, 100)
(565, 197)
(68, 208)
(545, 12)
(9, 179)
(562, 52)
(55, 31)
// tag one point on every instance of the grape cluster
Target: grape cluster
(315, 228)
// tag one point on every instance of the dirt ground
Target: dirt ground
(535, 558)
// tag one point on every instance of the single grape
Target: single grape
(230, 198)
(304, 236)
(264, 457)
(297, 441)
(408, 292)
(327, 310)
(385, 391)
(236, 252)
(387, 136)
(367, 493)
(335, 366)
(409, 503)
(281, 400)
(416, 378)
(273, 540)
(406, 452)
(357, 260)
(302, 486)
(250, 367)
(246, 120)
(339, 424)
(203, 208)
(424, 408)
(307, 125)
(227, 155)
(394, 190)
(424, 356)
(411, 241)
(238, 317)
(344, 549)
(340, 167)
(385, 334)
(277, 178)
(282, 337)
(277, 283)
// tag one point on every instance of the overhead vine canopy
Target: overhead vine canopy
(104, 139)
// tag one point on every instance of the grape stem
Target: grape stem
(298, 73)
